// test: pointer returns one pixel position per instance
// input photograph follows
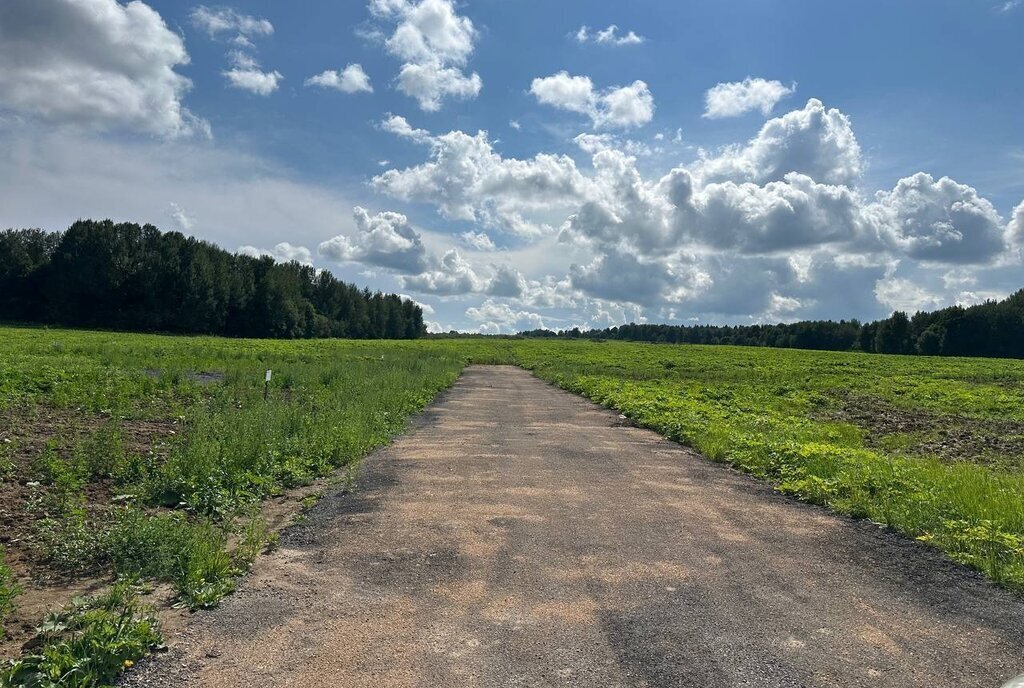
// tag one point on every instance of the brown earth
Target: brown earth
(949, 438)
(25, 433)
(521, 536)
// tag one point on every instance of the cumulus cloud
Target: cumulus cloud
(384, 240)
(776, 228)
(942, 220)
(899, 294)
(616, 107)
(94, 63)
(218, 21)
(453, 275)
(425, 307)
(507, 281)
(607, 36)
(352, 79)
(282, 253)
(244, 72)
(468, 180)
(500, 318)
(399, 126)
(739, 97)
(479, 241)
(247, 75)
(814, 141)
(1015, 230)
(435, 43)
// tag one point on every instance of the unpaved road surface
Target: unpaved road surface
(521, 536)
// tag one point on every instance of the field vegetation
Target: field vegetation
(144, 459)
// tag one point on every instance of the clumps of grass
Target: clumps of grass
(192, 556)
(255, 538)
(7, 465)
(89, 643)
(71, 541)
(9, 590)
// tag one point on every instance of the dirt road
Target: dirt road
(521, 536)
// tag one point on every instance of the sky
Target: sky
(514, 164)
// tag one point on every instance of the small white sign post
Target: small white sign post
(266, 385)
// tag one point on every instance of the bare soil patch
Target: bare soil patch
(25, 434)
(950, 438)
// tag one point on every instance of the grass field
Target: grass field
(145, 458)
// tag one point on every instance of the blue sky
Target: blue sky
(737, 161)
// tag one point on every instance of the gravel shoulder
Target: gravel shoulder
(522, 536)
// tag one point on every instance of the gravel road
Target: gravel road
(521, 536)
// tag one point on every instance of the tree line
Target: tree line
(131, 277)
(994, 329)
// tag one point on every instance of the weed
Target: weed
(9, 590)
(89, 643)
(71, 542)
(206, 572)
(256, 537)
(7, 465)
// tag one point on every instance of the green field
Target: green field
(146, 458)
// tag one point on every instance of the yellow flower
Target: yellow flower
(128, 664)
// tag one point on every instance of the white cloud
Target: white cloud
(594, 143)
(352, 79)
(435, 43)
(94, 63)
(507, 281)
(246, 74)
(777, 228)
(399, 126)
(620, 107)
(479, 241)
(501, 318)
(453, 275)
(282, 253)
(220, 20)
(904, 295)
(607, 36)
(814, 141)
(183, 223)
(941, 220)
(737, 98)
(514, 124)
(430, 83)
(468, 180)
(384, 240)
(425, 307)
(1015, 230)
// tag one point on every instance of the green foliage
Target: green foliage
(993, 328)
(9, 590)
(783, 415)
(88, 644)
(7, 466)
(103, 274)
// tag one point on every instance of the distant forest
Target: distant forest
(994, 329)
(131, 277)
